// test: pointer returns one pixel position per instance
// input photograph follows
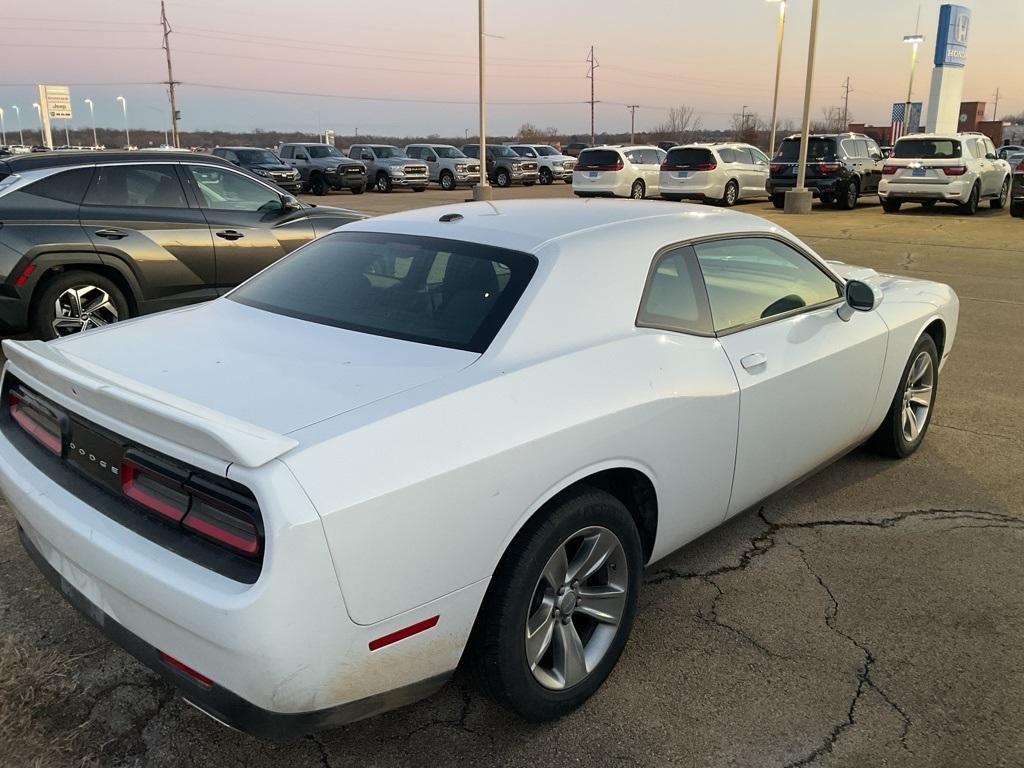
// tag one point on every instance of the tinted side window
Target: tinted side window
(65, 187)
(759, 156)
(753, 278)
(224, 190)
(136, 186)
(728, 155)
(675, 297)
(873, 148)
(286, 153)
(414, 153)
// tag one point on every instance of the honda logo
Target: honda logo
(960, 29)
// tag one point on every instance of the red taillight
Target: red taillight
(155, 491)
(954, 170)
(775, 167)
(224, 522)
(26, 273)
(1020, 166)
(888, 170)
(186, 670)
(43, 427)
(829, 167)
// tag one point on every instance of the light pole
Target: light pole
(92, 115)
(3, 127)
(482, 191)
(39, 114)
(798, 200)
(17, 113)
(915, 41)
(124, 109)
(780, 32)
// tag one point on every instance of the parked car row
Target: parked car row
(963, 169)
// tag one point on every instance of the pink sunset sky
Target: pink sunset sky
(415, 61)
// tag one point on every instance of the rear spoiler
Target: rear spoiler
(150, 409)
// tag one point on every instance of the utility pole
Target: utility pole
(846, 104)
(995, 106)
(171, 84)
(632, 121)
(743, 123)
(592, 62)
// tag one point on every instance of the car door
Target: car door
(652, 170)
(997, 172)
(808, 379)
(140, 214)
(250, 225)
(976, 147)
(429, 156)
(759, 175)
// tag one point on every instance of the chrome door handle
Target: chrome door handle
(230, 234)
(111, 234)
(754, 360)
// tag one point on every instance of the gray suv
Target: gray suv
(388, 167)
(446, 165)
(323, 167)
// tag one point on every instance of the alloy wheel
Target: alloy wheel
(82, 307)
(917, 396)
(576, 608)
(637, 192)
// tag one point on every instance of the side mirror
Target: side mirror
(290, 203)
(859, 297)
(990, 156)
(876, 156)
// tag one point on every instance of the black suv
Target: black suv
(90, 238)
(840, 168)
(263, 163)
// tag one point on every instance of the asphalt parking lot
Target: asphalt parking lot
(870, 616)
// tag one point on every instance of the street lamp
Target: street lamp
(3, 127)
(482, 191)
(39, 114)
(92, 114)
(127, 135)
(17, 113)
(780, 32)
(915, 41)
(798, 200)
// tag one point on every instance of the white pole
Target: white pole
(92, 115)
(804, 135)
(3, 127)
(17, 113)
(124, 108)
(780, 33)
(482, 191)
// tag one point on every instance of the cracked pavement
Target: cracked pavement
(870, 616)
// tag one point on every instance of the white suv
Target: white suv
(630, 171)
(552, 164)
(723, 173)
(930, 168)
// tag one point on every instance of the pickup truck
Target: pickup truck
(553, 165)
(322, 167)
(446, 165)
(505, 167)
(388, 167)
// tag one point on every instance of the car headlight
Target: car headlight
(517, 166)
(295, 174)
(460, 168)
(396, 171)
(260, 172)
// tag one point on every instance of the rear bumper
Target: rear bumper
(690, 189)
(816, 186)
(953, 192)
(216, 701)
(616, 186)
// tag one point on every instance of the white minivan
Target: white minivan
(720, 173)
(630, 171)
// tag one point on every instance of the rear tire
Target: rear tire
(971, 206)
(901, 433)
(779, 201)
(1017, 209)
(730, 195)
(358, 190)
(1004, 193)
(928, 203)
(536, 677)
(846, 197)
(891, 206)
(88, 300)
(672, 198)
(638, 191)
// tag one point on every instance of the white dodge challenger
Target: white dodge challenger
(457, 431)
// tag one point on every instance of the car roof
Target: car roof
(40, 160)
(952, 135)
(240, 146)
(528, 225)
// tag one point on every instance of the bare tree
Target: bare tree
(750, 128)
(831, 121)
(681, 124)
(530, 133)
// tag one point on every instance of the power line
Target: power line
(592, 62)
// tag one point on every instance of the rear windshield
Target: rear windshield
(687, 156)
(923, 149)
(596, 157)
(817, 149)
(429, 290)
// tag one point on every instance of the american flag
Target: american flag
(899, 112)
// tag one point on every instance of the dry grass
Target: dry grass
(33, 685)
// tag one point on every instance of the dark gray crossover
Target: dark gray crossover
(87, 239)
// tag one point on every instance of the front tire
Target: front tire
(447, 181)
(502, 179)
(357, 190)
(560, 606)
(546, 177)
(1017, 209)
(911, 410)
(318, 185)
(74, 302)
(382, 183)
(1000, 202)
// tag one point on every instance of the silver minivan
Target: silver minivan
(721, 173)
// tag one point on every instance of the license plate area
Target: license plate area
(682, 174)
(919, 172)
(95, 455)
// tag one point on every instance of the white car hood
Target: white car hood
(268, 370)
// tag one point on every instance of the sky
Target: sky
(296, 66)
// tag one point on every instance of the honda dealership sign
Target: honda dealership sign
(950, 60)
(951, 41)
